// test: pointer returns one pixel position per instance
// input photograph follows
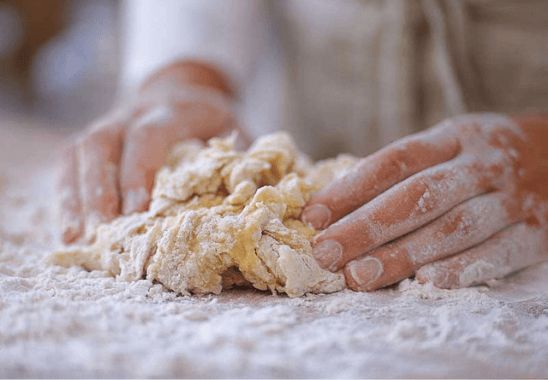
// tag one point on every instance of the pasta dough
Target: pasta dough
(221, 218)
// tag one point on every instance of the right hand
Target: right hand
(458, 205)
(109, 170)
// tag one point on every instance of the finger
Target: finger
(70, 203)
(378, 172)
(398, 211)
(466, 225)
(153, 133)
(99, 156)
(145, 151)
(512, 249)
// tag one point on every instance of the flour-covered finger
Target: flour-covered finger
(146, 147)
(99, 157)
(466, 225)
(376, 173)
(398, 211)
(510, 250)
(69, 193)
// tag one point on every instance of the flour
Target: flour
(69, 322)
(221, 218)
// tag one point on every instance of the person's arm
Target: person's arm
(456, 205)
(183, 64)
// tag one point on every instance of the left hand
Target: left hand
(109, 169)
(457, 205)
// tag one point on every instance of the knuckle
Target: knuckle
(152, 117)
(427, 193)
(395, 161)
(94, 136)
(458, 223)
(399, 158)
(405, 156)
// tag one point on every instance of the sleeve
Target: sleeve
(226, 34)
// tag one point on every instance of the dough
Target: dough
(221, 218)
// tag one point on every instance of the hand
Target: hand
(110, 169)
(456, 205)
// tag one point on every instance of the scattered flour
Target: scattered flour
(68, 322)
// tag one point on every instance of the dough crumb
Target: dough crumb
(221, 218)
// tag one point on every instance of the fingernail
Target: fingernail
(327, 254)
(365, 271)
(318, 216)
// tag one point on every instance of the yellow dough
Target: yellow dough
(221, 218)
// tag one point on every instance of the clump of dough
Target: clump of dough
(221, 218)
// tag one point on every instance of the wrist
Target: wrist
(187, 73)
(527, 122)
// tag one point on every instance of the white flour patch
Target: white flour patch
(58, 322)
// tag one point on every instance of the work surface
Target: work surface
(57, 322)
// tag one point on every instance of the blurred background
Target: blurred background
(58, 60)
